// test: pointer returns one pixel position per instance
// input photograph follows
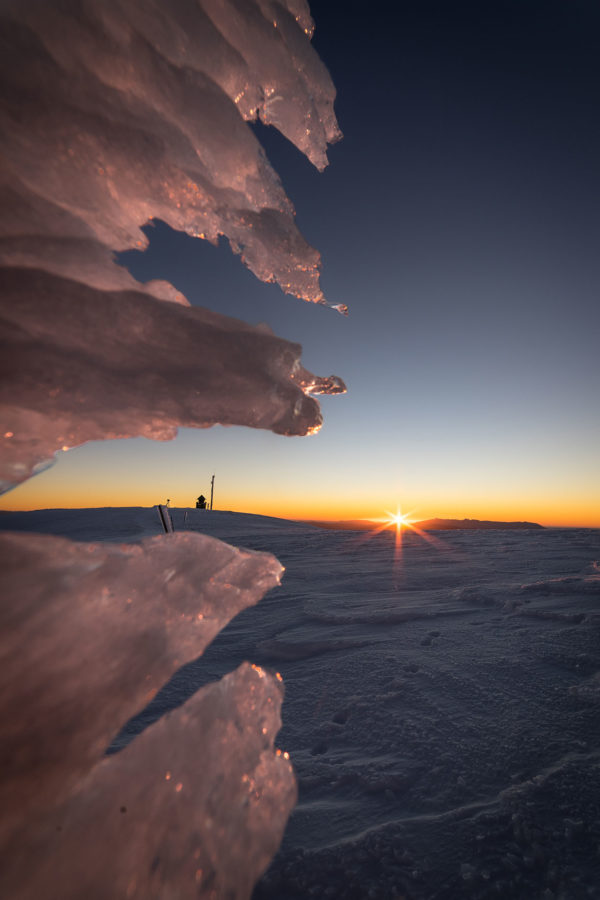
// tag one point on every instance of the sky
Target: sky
(459, 220)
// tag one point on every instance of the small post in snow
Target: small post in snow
(212, 488)
(165, 519)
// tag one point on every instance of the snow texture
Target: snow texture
(113, 115)
(441, 711)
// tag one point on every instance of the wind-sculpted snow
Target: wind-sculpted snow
(112, 116)
(588, 584)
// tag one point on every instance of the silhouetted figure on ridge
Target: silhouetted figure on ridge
(201, 502)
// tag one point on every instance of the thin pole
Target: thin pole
(212, 488)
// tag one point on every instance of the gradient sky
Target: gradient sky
(459, 220)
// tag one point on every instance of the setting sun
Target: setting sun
(398, 519)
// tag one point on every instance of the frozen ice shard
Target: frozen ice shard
(121, 113)
(194, 808)
(90, 632)
(68, 378)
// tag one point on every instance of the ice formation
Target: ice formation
(69, 378)
(114, 114)
(171, 823)
(90, 632)
(142, 609)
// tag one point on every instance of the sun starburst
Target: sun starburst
(399, 519)
(402, 522)
(399, 523)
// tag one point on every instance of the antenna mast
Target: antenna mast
(212, 488)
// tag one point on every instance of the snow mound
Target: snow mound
(588, 584)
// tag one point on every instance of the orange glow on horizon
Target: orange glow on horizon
(46, 491)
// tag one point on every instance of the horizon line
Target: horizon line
(371, 520)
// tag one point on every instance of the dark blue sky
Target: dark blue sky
(459, 220)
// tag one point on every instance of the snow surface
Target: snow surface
(442, 714)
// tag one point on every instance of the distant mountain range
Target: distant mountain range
(427, 525)
(453, 524)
